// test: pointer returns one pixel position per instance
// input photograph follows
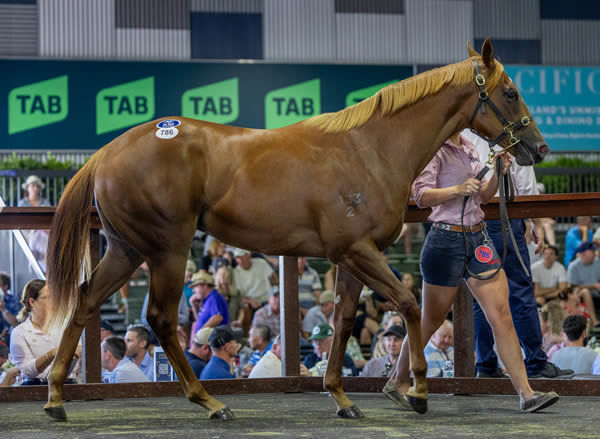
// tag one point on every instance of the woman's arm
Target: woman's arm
(434, 196)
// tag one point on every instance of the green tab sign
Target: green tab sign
(292, 104)
(356, 96)
(217, 102)
(124, 105)
(38, 104)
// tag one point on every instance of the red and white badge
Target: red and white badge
(484, 254)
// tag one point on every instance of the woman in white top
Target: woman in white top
(32, 350)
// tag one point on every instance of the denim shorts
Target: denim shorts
(443, 257)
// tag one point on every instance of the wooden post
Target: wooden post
(289, 315)
(464, 353)
(91, 337)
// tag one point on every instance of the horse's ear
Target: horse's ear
(472, 52)
(487, 53)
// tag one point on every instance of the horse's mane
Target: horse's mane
(401, 94)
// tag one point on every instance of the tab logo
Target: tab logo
(357, 96)
(38, 104)
(124, 105)
(292, 104)
(217, 102)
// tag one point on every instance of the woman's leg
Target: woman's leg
(492, 295)
(437, 301)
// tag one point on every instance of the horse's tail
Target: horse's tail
(68, 246)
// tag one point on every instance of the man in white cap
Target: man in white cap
(199, 354)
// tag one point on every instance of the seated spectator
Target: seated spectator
(199, 354)
(106, 330)
(10, 305)
(269, 366)
(8, 372)
(309, 285)
(390, 319)
(32, 196)
(190, 269)
(208, 306)
(253, 278)
(440, 349)
(549, 276)
(318, 314)
(384, 366)
(371, 310)
(577, 235)
(584, 274)
(224, 349)
(574, 355)
(551, 317)
(260, 341)
(321, 338)
(120, 369)
(225, 284)
(137, 341)
(408, 280)
(32, 350)
(269, 314)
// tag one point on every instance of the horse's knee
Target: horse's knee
(409, 308)
(160, 323)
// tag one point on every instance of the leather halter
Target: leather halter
(506, 187)
(509, 127)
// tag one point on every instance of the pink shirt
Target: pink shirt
(451, 166)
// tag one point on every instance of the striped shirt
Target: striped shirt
(436, 358)
(308, 283)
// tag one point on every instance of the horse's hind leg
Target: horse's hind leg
(113, 271)
(368, 265)
(347, 293)
(166, 284)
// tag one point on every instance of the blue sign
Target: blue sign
(564, 102)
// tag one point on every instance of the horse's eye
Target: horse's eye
(511, 95)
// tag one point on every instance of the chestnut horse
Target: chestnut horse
(335, 186)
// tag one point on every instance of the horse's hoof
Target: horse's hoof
(419, 405)
(397, 398)
(56, 413)
(351, 412)
(225, 414)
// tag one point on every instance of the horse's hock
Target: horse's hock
(464, 383)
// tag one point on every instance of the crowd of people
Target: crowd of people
(229, 312)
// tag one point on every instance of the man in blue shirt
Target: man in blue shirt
(137, 340)
(582, 232)
(224, 348)
(10, 304)
(208, 305)
(199, 354)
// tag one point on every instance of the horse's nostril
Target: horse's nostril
(543, 149)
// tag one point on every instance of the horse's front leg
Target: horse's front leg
(368, 265)
(347, 293)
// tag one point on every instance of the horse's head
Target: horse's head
(501, 114)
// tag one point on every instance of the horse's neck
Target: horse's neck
(413, 135)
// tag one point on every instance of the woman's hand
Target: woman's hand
(469, 187)
(506, 161)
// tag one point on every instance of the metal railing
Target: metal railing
(11, 182)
